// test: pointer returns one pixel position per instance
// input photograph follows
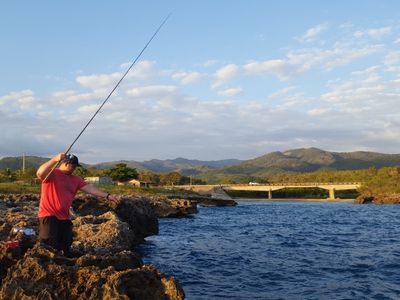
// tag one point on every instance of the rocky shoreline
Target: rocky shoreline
(102, 263)
(378, 199)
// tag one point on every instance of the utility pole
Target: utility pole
(23, 163)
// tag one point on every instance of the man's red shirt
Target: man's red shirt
(58, 192)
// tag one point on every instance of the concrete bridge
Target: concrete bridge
(216, 190)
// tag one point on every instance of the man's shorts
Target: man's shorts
(55, 233)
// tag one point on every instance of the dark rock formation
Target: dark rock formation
(210, 201)
(140, 216)
(174, 207)
(102, 234)
(41, 274)
(379, 199)
(137, 212)
(101, 265)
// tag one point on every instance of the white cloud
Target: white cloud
(15, 96)
(300, 61)
(312, 33)
(390, 133)
(151, 91)
(224, 74)
(88, 108)
(22, 99)
(282, 93)
(392, 62)
(98, 81)
(187, 78)
(375, 33)
(283, 69)
(372, 101)
(210, 63)
(358, 34)
(318, 111)
(65, 98)
(340, 57)
(379, 32)
(231, 92)
(395, 83)
(158, 118)
(366, 72)
(143, 70)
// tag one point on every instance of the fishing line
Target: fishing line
(112, 91)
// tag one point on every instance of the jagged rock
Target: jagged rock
(379, 199)
(120, 261)
(8, 257)
(174, 207)
(102, 265)
(363, 200)
(89, 205)
(41, 274)
(140, 216)
(102, 234)
(209, 201)
(135, 211)
(212, 202)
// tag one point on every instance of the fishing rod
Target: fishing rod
(109, 95)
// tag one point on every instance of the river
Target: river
(282, 250)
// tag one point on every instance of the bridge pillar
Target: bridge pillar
(332, 193)
(270, 194)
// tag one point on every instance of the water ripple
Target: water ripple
(282, 251)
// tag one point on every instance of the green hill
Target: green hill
(182, 165)
(15, 163)
(299, 160)
(259, 168)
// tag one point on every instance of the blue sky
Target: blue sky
(223, 79)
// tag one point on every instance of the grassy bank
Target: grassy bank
(34, 188)
(19, 188)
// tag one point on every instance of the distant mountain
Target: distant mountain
(111, 164)
(182, 165)
(302, 160)
(15, 163)
(296, 160)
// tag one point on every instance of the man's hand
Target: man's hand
(59, 157)
(113, 198)
(46, 168)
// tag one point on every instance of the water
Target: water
(264, 250)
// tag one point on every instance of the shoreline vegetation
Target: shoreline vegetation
(374, 181)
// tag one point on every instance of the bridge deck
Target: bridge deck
(269, 187)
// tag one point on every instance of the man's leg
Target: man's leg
(49, 231)
(65, 235)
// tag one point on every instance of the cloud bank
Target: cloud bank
(339, 95)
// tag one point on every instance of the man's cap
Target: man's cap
(72, 159)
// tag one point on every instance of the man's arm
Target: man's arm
(45, 168)
(91, 189)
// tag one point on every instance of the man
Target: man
(59, 187)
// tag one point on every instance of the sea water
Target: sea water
(282, 250)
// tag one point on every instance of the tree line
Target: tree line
(374, 181)
(119, 173)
